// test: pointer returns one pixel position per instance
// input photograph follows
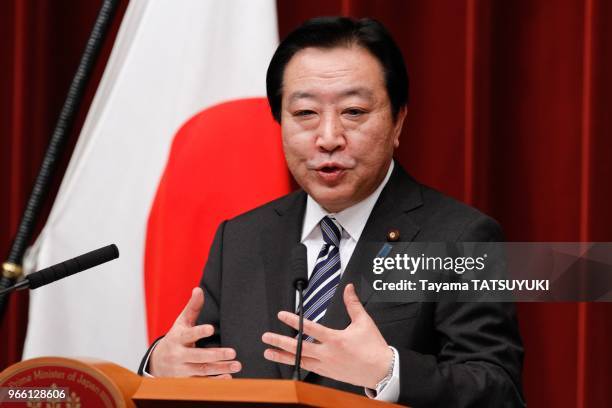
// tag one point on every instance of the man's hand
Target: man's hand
(358, 355)
(176, 355)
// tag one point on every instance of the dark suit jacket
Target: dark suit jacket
(451, 354)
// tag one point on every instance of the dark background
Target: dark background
(510, 112)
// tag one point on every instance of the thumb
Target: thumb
(353, 304)
(191, 311)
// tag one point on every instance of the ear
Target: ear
(397, 129)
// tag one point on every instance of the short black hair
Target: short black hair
(331, 32)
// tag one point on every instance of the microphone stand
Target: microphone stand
(11, 269)
(300, 285)
(22, 284)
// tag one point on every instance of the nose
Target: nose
(330, 135)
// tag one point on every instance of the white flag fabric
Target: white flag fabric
(171, 60)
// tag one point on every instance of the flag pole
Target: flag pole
(12, 269)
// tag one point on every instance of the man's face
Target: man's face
(337, 126)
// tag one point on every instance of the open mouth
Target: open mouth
(330, 169)
(330, 174)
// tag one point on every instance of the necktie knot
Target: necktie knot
(331, 231)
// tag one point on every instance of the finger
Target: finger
(218, 368)
(191, 311)
(290, 344)
(208, 355)
(353, 304)
(284, 357)
(221, 377)
(190, 335)
(280, 356)
(315, 330)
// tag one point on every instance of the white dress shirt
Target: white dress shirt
(352, 220)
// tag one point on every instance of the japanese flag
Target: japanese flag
(179, 137)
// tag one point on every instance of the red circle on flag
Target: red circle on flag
(225, 160)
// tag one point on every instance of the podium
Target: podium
(94, 383)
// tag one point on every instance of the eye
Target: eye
(354, 112)
(304, 113)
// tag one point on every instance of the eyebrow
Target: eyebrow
(357, 91)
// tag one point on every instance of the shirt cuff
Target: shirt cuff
(391, 390)
(145, 370)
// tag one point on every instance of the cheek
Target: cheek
(296, 147)
(292, 146)
(294, 136)
(369, 143)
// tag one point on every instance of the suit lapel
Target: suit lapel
(276, 244)
(401, 195)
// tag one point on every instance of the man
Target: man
(339, 90)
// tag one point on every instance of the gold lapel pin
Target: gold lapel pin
(393, 235)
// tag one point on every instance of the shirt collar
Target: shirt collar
(352, 219)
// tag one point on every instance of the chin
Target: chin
(331, 202)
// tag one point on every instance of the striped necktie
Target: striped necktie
(326, 274)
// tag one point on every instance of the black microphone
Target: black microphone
(299, 268)
(66, 268)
